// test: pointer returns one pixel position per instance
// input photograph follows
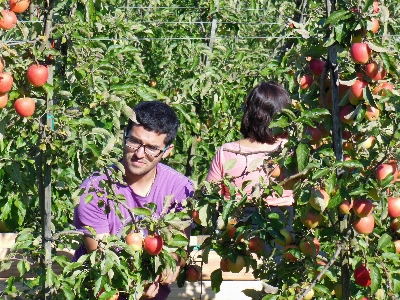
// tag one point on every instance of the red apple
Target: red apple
(312, 219)
(382, 87)
(379, 75)
(25, 107)
(345, 111)
(395, 225)
(288, 238)
(383, 170)
(394, 207)
(319, 199)
(8, 19)
(353, 99)
(287, 255)
(346, 134)
(363, 207)
(196, 217)
(365, 142)
(360, 53)
(315, 133)
(373, 25)
(317, 66)
(237, 266)
(345, 207)
(371, 69)
(224, 265)
(230, 228)
(256, 244)
(135, 240)
(153, 244)
(371, 113)
(305, 81)
(364, 225)
(276, 171)
(3, 100)
(309, 248)
(397, 246)
(193, 273)
(19, 6)
(358, 87)
(376, 8)
(37, 75)
(361, 276)
(6, 82)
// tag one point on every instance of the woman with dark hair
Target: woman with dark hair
(262, 103)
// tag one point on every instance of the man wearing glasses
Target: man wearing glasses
(148, 139)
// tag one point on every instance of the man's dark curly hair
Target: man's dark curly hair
(156, 116)
(262, 103)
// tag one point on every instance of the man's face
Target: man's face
(137, 162)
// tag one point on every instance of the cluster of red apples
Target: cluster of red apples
(153, 245)
(363, 221)
(8, 18)
(36, 74)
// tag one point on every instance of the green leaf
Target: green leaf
(216, 280)
(49, 276)
(22, 267)
(49, 89)
(254, 164)
(322, 289)
(140, 211)
(106, 264)
(88, 198)
(384, 241)
(339, 32)
(203, 215)
(68, 293)
(180, 224)
(302, 153)
(337, 16)
(376, 279)
(179, 241)
(229, 164)
(320, 173)
(226, 212)
(281, 122)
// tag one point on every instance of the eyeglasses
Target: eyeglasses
(149, 150)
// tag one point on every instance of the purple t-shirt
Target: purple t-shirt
(167, 182)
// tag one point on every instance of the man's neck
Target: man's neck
(142, 184)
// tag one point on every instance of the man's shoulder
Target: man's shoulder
(172, 174)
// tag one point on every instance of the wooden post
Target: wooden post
(45, 196)
(338, 149)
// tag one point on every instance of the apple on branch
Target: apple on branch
(135, 240)
(193, 273)
(6, 82)
(362, 276)
(360, 53)
(364, 225)
(363, 207)
(394, 207)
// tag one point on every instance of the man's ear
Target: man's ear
(168, 151)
